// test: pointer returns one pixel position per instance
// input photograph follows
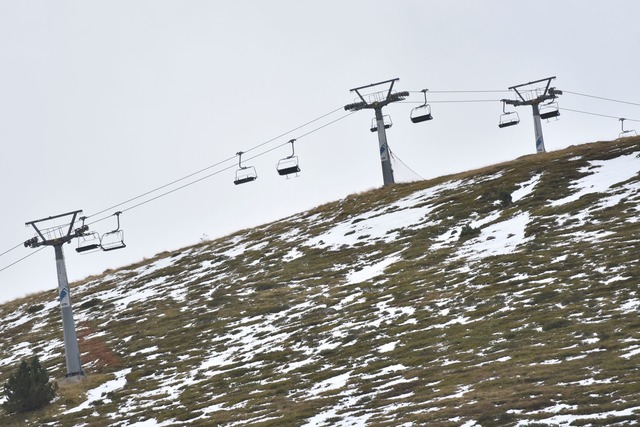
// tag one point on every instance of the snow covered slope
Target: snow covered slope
(505, 296)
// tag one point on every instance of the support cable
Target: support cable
(597, 114)
(23, 258)
(605, 99)
(452, 101)
(13, 248)
(464, 91)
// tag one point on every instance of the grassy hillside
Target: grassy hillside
(503, 296)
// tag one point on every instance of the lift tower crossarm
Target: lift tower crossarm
(391, 97)
(546, 89)
(33, 243)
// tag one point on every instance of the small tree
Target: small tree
(505, 198)
(467, 232)
(28, 388)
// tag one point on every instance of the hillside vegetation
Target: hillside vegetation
(506, 296)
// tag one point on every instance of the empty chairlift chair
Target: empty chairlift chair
(88, 241)
(626, 133)
(508, 118)
(289, 165)
(386, 119)
(549, 111)
(245, 173)
(422, 113)
(113, 239)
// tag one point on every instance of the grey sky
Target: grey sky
(103, 101)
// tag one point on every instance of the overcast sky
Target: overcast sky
(103, 101)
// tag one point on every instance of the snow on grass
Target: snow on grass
(605, 174)
(627, 191)
(292, 254)
(387, 314)
(329, 415)
(500, 238)
(385, 371)
(145, 350)
(19, 351)
(486, 220)
(385, 348)
(152, 422)
(634, 350)
(371, 227)
(427, 194)
(371, 271)
(526, 188)
(100, 392)
(350, 299)
(461, 391)
(333, 383)
(633, 305)
(567, 420)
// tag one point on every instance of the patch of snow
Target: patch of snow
(145, 351)
(292, 254)
(567, 420)
(525, 189)
(387, 370)
(631, 351)
(497, 239)
(630, 306)
(462, 390)
(385, 348)
(322, 419)
(329, 384)
(460, 320)
(605, 174)
(370, 227)
(152, 422)
(371, 271)
(348, 300)
(99, 392)
(486, 220)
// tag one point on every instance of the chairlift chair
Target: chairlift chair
(626, 133)
(289, 165)
(549, 111)
(88, 241)
(422, 113)
(508, 118)
(114, 239)
(245, 173)
(386, 119)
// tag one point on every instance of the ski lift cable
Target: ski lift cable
(451, 101)
(22, 259)
(600, 115)
(13, 248)
(603, 98)
(464, 91)
(159, 188)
